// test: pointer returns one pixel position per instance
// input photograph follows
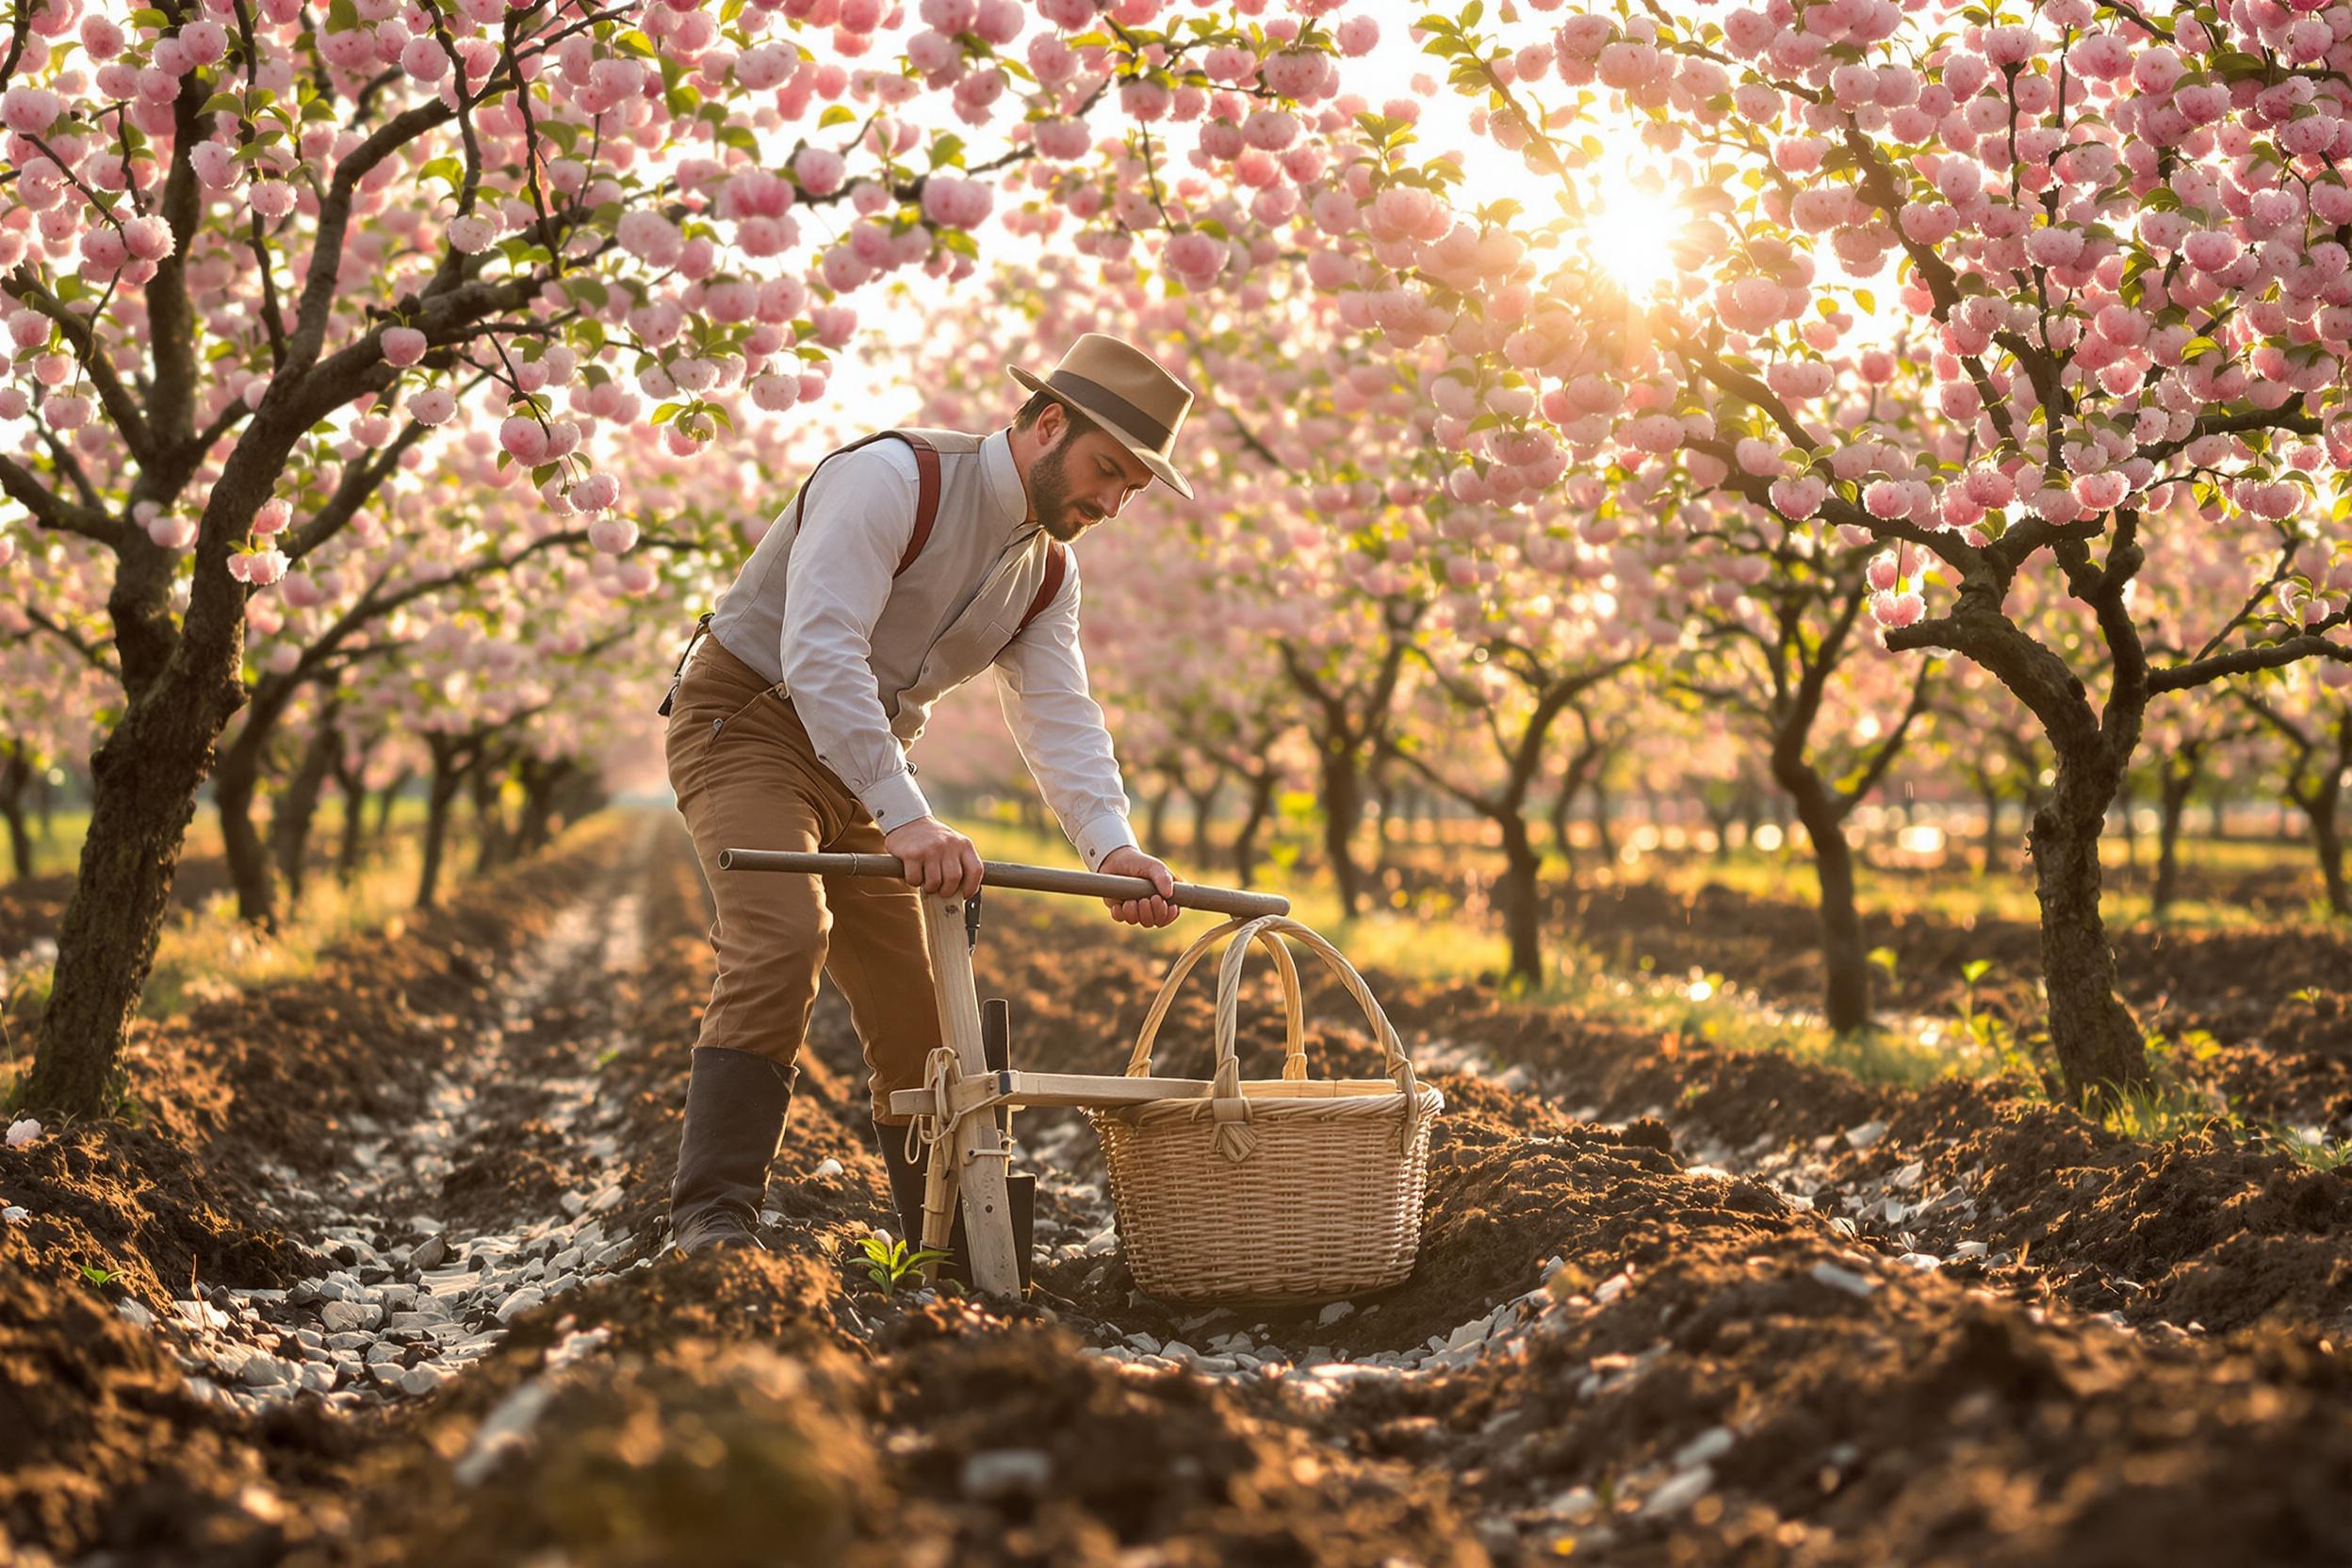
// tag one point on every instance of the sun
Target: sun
(1631, 230)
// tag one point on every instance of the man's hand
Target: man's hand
(1128, 862)
(937, 859)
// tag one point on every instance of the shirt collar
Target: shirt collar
(1004, 486)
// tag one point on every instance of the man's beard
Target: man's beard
(1049, 485)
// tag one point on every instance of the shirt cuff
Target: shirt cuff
(895, 802)
(1100, 836)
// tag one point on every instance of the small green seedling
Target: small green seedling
(98, 1276)
(888, 1262)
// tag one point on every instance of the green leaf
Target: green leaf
(666, 411)
(222, 103)
(948, 152)
(444, 168)
(836, 114)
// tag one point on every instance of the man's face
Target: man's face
(1081, 478)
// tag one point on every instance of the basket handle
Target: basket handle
(1228, 1107)
(1294, 1008)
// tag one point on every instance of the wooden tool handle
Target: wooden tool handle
(1008, 874)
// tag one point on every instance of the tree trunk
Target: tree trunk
(1601, 828)
(447, 773)
(235, 780)
(2328, 839)
(542, 782)
(1246, 841)
(2321, 803)
(1521, 901)
(1343, 807)
(485, 782)
(298, 806)
(1204, 803)
(1155, 817)
(1563, 802)
(2094, 1034)
(14, 775)
(2172, 800)
(143, 780)
(45, 799)
(1991, 797)
(387, 797)
(354, 787)
(1846, 965)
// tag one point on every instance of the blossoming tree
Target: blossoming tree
(254, 253)
(2125, 234)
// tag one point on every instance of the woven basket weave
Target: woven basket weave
(1270, 1190)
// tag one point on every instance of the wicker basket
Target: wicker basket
(1270, 1190)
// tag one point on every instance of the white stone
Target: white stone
(1678, 1493)
(136, 1311)
(1006, 1473)
(1710, 1446)
(1866, 1135)
(350, 1317)
(1838, 1277)
(1333, 1312)
(1908, 1177)
(826, 1169)
(1926, 1263)
(521, 1301)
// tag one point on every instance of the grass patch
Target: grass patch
(207, 954)
(1430, 939)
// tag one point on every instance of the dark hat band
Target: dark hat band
(1083, 392)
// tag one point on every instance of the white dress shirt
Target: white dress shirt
(864, 654)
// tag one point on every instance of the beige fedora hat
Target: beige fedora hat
(1123, 389)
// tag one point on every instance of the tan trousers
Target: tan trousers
(747, 778)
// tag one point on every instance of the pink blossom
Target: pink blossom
(820, 169)
(432, 406)
(2098, 492)
(402, 345)
(148, 238)
(171, 531)
(2211, 250)
(30, 111)
(1888, 499)
(613, 535)
(1799, 496)
(271, 199)
(2157, 69)
(1358, 36)
(1897, 610)
(271, 516)
(525, 439)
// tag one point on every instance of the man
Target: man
(909, 563)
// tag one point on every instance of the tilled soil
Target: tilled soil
(1673, 1306)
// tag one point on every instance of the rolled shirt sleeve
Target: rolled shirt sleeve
(855, 525)
(1041, 680)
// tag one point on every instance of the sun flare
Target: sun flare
(1631, 232)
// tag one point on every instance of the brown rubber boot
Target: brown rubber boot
(735, 1106)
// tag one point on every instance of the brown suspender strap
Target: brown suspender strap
(926, 488)
(1056, 567)
(926, 497)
